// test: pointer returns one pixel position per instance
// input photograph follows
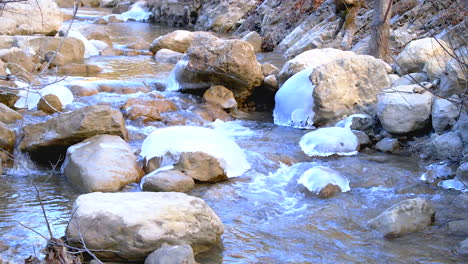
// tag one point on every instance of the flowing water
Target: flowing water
(268, 217)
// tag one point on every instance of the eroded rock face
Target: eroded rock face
(41, 16)
(61, 131)
(403, 109)
(211, 60)
(405, 217)
(103, 163)
(222, 15)
(156, 218)
(346, 86)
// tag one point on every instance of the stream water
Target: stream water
(268, 217)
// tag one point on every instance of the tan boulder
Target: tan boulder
(346, 86)
(201, 167)
(168, 181)
(211, 112)
(18, 56)
(179, 41)
(211, 60)
(104, 222)
(8, 115)
(97, 34)
(7, 138)
(168, 56)
(70, 128)
(269, 69)
(78, 68)
(102, 163)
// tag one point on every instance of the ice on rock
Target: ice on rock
(172, 141)
(294, 102)
(453, 184)
(98, 44)
(137, 12)
(29, 98)
(329, 141)
(173, 80)
(90, 49)
(316, 178)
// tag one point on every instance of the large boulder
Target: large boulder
(404, 109)
(131, 225)
(72, 49)
(346, 86)
(41, 16)
(102, 163)
(211, 60)
(418, 53)
(64, 130)
(405, 217)
(8, 115)
(179, 41)
(310, 59)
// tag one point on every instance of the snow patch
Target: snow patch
(294, 102)
(316, 178)
(171, 141)
(138, 12)
(29, 98)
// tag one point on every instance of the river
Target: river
(268, 217)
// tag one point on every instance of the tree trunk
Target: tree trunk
(378, 45)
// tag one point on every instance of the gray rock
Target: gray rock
(447, 146)
(444, 114)
(388, 145)
(363, 138)
(255, 40)
(405, 217)
(404, 109)
(462, 173)
(412, 78)
(180, 254)
(454, 80)
(459, 228)
(168, 181)
(461, 128)
(131, 225)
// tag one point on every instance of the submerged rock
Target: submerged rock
(404, 217)
(180, 254)
(103, 163)
(444, 114)
(132, 225)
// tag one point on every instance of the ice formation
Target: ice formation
(328, 141)
(294, 102)
(173, 80)
(171, 141)
(316, 178)
(138, 12)
(98, 44)
(29, 98)
(347, 122)
(453, 184)
(90, 49)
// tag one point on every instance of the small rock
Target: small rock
(271, 82)
(17, 56)
(50, 104)
(179, 40)
(404, 217)
(362, 137)
(329, 190)
(168, 181)
(200, 166)
(168, 56)
(388, 145)
(254, 39)
(459, 228)
(220, 95)
(447, 146)
(180, 254)
(462, 173)
(436, 172)
(139, 44)
(269, 69)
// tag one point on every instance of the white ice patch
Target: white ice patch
(453, 184)
(178, 139)
(329, 141)
(138, 12)
(316, 178)
(232, 129)
(172, 83)
(30, 98)
(98, 44)
(294, 102)
(90, 50)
